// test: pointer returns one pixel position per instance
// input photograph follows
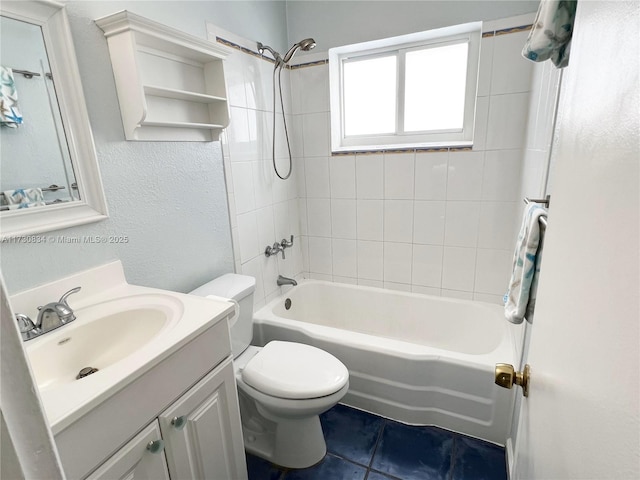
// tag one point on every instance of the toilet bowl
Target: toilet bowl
(283, 387)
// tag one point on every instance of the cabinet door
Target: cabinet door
(202, 430)
(137, 460)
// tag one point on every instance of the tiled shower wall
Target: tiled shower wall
(442, 223)
(262, 208)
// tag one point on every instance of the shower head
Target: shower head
(306, 45)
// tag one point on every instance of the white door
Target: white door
(581, 419)
(202, 430)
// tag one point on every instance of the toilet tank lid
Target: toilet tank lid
(230, 285)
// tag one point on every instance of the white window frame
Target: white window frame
(468, 32)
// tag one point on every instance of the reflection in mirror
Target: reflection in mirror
(49, 175)
(35, 156)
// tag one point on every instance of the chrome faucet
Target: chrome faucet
(50, 316)
(278, 247)
(286, 281)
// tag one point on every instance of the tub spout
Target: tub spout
(286, 281)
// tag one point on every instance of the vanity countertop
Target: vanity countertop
(105, 292)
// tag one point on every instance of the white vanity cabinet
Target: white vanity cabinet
(200, 430)
(200, 434)
(141, 458)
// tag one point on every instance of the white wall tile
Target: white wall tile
(460, 295)
(486, 66)
(399, 287)
(297, 87)
(234, 78)
(369, 177)
(262, 183)
(248, 236)
(458, 268)
(345, 258)
(501, 178)
(425, 290)
(321, 276)
(294, 217)
(398, 221)
(343, 176)
(370, 220)
(370, 283)
(488, 298)
(314, 94)
(427, 265)
(320, 255)
(428, 222)
(319, 217)
(269, 275)
(397, 262)
(493, 270)
(315, 133)
(266, 231)
(481, 124)
(507, 121)
(370, 260)
(235, 241)
(511, 72)
(343, 218)
(345, 280)
(498, 222)
(399, 176)
(253, 268)
(243, 187)
(431, 176)
(304, 223)
(295, 136)
(238, 135)
(465, 170)
(461, 224)
(317, 177)
(281, 220)
(300, 177)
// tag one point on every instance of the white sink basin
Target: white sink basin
(101, 335)
(122, 330)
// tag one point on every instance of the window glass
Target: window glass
(435, 81)
(370, 96)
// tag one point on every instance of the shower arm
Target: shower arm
(276, 56)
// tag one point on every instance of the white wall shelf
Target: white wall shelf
(170, 84)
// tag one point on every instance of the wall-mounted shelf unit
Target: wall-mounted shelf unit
(170, 84)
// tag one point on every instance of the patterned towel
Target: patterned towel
(550, 37)
(9, 114)
(520, 300)
(24, 198)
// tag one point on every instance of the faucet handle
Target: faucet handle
(287, 244)
(24, 323)
(63, 298)
(27, 328)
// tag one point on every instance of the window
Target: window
(416, 90)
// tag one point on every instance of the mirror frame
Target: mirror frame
(92, 207)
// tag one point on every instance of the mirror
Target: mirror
(49, 171)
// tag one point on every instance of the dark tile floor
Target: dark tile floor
(362, 446)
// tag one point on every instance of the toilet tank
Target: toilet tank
(239, 288)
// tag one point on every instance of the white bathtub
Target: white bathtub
(418, 359)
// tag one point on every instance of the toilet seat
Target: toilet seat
(295, 371)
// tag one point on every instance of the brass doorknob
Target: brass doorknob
(507, 377)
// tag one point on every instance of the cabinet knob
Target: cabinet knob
(155, 446)
(179, 422)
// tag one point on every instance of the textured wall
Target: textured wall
(169, 198)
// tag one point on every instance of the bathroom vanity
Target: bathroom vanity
(163, 402)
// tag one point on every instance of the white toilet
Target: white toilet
(283, 387)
